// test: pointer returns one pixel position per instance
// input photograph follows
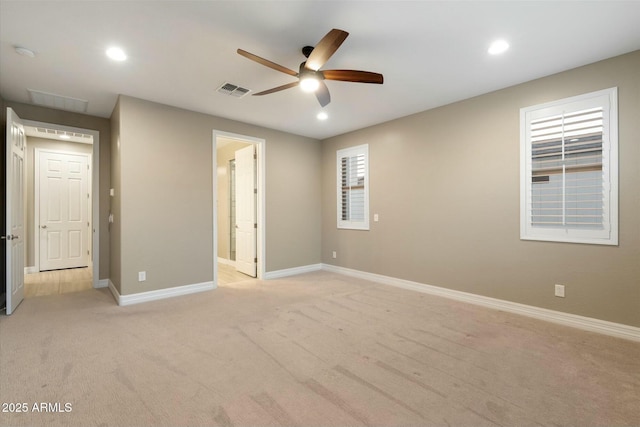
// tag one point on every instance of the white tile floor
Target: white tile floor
(58, 282)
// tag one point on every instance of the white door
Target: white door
(246, 227)
(15, 179)
(63, 210)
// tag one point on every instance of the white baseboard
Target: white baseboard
(124, 300)
(277, 274)
(114, 291)
(30, 270)
(226, 262)
(104, 283)
(581, 322)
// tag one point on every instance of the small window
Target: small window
(569, 170)
(353, 187)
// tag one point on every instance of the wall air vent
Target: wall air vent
(58, 102)
(233, 90)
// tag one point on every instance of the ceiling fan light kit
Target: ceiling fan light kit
(309, 84)
(310, 77)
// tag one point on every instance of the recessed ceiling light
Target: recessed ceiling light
(322, 116)
(25, 52)
(116, 54)
(498, 47)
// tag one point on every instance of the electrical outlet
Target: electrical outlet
(142, 276)
(560, 291)
(335, 255)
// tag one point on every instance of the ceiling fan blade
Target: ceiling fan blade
(325, 48)
(267, 63)
(277, 89)
(353, 76)
(322, 94)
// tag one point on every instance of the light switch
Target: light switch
(375, 218)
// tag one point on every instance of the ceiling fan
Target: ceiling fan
(310, 77)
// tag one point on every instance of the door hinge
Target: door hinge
(255, 191)
(88, 195)
(255, 225)
(255, 260)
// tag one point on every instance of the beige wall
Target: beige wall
(166, 195)
(102, 125)
(114, 209)
(40, 143)
(224, 155)
(445, 183)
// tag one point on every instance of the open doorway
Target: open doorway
(61, 209)
(238, 163)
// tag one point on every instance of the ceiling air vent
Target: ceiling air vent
(58, 101)
(233, 90)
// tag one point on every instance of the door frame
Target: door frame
(36, 198)
(260, 144)
(95, 189)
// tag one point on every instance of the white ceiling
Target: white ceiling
(431, 52)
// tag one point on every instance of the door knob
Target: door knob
(44, 226)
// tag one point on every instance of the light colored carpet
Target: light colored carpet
(318, 349)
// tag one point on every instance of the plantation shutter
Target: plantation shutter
(569, 170)
(353, 210)
(566, 174)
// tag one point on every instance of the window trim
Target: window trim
(608, 100)
(351, 152)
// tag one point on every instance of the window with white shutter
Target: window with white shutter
(569, 170)
(353, 187)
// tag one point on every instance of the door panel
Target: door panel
(14, 214)
(52, 195)
(75, 244)
(54, 242)
(246, 231)
(63, 217)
